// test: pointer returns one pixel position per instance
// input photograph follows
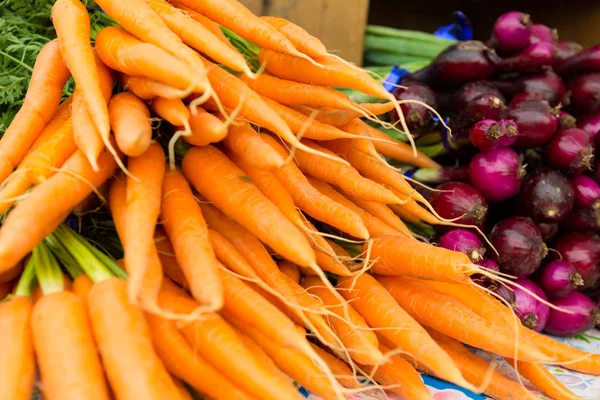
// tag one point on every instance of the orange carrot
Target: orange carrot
(41, 101)
(223, 183)
(246, 143)
(187, 231)
(147, 89)
(228, 255)
(326, 256)
(339, 118)
(383, 212)
(166, 253)
(542, 379)
(72, 25)
(369, 297)
(403, 214)
(37, 293)
(130, 121)
(208, 23)
(171, 110)
(206, 128)
(82, 286)
(133, 368)
(184, 394)
(122, 52)
(300, 38)
(39, 214)
(341, 371)
(290, 269)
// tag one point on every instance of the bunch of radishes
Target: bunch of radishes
(524, 110)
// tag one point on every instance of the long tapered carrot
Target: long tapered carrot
(133, 368)
(310, 200)
(171, 110)
(340, 369)
(86, 135)
(248, 145)
(223, 183)
(228, 255)
(66, 352)
(38, 215)
(369, 297)
(166, 253)
(339, 118)
(383, 212)
(206, 128)
(217, 343)
(343, 176)
(17, 359)
(182, 361)
(208, 23)
(183, 221)
(72, 25)
(300, 38)
(438, 311)
(290, 269)
(326, 255)
(41, 101)
(143, 205)
(147, 89)
(359, 340)
(122, 52)
(543, 379)
(130, 122)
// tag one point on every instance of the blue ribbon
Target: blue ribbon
(394, 78)
(460, 29)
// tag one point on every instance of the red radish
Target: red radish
(590, 123)
(512, 31)
(548, 85)
(584, 314)
(531, 59)
(583, 253)
(416, 115)
(489, 134)
(497, 173)
(571, 150)
(485, 106)
(566, 50)
(558, 278)
(532, 312)
(583, 62)
(537, 122)
(464, 241)
(520, 246)
(472, 90)
(585, 92)
(546, 195)
(543, 33)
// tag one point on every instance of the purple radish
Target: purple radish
(558, 278)
(483, 280)
(546, 195)
(512, 31)
(566, 120)
(547, 84)
(583, 253)
(416, 115)
(584, 314)
(583, 62)
(543, 33)
(537, 122)
(460, 200)
(581, 220)
(548, 231)
(520, 246)
(464, 241)
(590, 123)
(497, 173)
(571, 150)
(532, 312)
(531, 59)
(472, 90)
(441, 175)
(566, 50)
(489, 134)
(585, 92)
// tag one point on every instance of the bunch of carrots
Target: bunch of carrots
(236, 279)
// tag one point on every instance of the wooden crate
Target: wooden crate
(340, 24)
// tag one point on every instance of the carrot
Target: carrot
(130, 121)
(86, 136)
(206, 128)
(182, 361)
(411, 207)
(315, 204)
(222, 182)
(542, 379)
(248, 145)
(171, 110)
(5, 288)
(147, 89)
(82, 286)
(38, 294)
(368, 297)
(72, 25)
(454, 319)
(133, 368)
(184, 394)
(183, 221)
(208, 23)
(340, 369)
(400, 375)
(198, 37)
(41, 101)
(124, 53)
(339, 118)
(290, 269)
(358, 339)
(300, 38)
(218, 344)
(382, 212)
(228, 255)
(343, 176)
(13, 272)
(326, 256)
(39, 214)
(166, 253)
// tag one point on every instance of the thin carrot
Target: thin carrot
(340, 369)
(147, 89)
(72, 24)
(130, 122)
(326, 255)
(383, 212)
(300, 38)
(438, 311)
(290, 269)
(198, 37)
(228, 255)
(343, 176)
(223, 183)
(206, 128)
(208, 23)
(543, 379)
(248, 145)
(315, 204)
(39, 214)
(358, 339)
(122, 52)
(171, 110)
(183, 221)
(41, 101)
(182, 361)
(133, 368)
(166, 253)
(403, 214)
(339, 118)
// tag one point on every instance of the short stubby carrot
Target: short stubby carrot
(171, 110)
(222, 182)
(17, 359)
(248, 145)
(147, 89)
(206, 128)
(133, 368)
(130, 122)
(41, 101)
(72, 24)
(66, 352)
(183, 221)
